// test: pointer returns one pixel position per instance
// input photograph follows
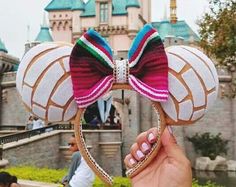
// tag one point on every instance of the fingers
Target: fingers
(170, 146)
(130, 161)
(142, 147)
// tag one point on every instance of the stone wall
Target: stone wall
(40, 151)
(51, 150)
(12, 110)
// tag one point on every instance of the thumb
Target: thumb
(172, 149)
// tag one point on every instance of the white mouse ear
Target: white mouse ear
(193, 85)
(44, 83)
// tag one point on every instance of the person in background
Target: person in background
(29, 125)
(7, 180)
(79, 173)
(37, 123)
(170, 167)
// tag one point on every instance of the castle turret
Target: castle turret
(173, 12)
(7, 62)
(2, 47)
(60, 18)
(77, 8)
(133, 9)
(44, 34)
(145, 10)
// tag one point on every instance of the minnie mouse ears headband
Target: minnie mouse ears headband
(49, 71)
(94, 70)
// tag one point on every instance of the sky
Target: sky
(20, 20)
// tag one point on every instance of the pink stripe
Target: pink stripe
(93, 42)
(86, 104)
(97, 92)
(164, 90)
(95, 89)
(140, 46)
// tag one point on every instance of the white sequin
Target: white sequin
(185, 110)
(46, 85)
(177, 88)
(169, 108)
(63, 93)
(196, 88)
(70, 111)
(55, 114)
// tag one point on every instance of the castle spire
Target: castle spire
(165, 13)
(173, 8)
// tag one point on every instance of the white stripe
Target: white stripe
(96, 89)
(147, 96)
(104, 56)
(133, 63)
(133, 79)
(94, 98)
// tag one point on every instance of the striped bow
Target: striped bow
(93, 70)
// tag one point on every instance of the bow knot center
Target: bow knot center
(121, 71)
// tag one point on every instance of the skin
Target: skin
(73, 146)
(170, 168)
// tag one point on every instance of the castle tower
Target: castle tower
(60, 18)
(7, 62)
(173, 12)
(146, 10)
(77, 8)
(44, 35)
(133, 9)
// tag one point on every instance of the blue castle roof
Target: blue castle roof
(179, 29)
(2, 47)
(44, 35)
(118, 6)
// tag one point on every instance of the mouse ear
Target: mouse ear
(193, 85)
(44, 83)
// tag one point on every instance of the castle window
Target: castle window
(103, 12)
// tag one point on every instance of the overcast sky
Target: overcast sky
(17, 15)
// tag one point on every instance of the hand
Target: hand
(170, 168)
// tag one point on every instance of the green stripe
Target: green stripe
(94, 53)
(156, 39)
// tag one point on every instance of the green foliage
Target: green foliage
(208, 184)
(37, 174)
(209, 145)
(217, 30)
(118, 182)
(55, 176)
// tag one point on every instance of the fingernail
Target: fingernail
(170, 129)
(145, 147)
(140, 154)
(131, 161)
(151, 138)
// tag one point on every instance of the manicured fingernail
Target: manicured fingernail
(140, 154)
(170, 129)
(151, 138)
(145, 147)
(131, 161)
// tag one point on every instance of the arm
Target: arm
(83, 176)
(75, 162)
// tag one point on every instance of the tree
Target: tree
(218, 31)
(209, 145)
